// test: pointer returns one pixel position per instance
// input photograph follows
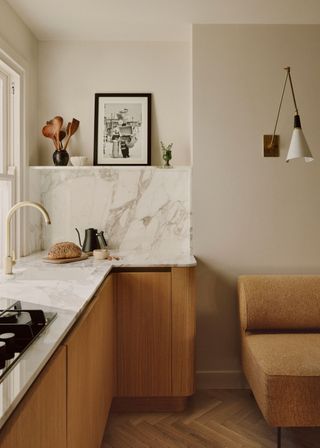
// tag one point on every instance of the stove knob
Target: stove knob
(2, 354)
(8, 338)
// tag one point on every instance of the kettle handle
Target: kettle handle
(101, 240)
(79, 236)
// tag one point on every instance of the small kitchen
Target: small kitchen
(137, 185)
(116, 330)
(113, 329)
(100, 317)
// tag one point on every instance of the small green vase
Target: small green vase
(167, 156)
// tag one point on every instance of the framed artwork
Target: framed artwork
(122, 129)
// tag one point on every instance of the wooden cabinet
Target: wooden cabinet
(40, 419)
(183, 331)
(90, 371)
(155, 334)
(143, 316)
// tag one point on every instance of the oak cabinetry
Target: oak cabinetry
(143, 316)
(90, 371)
(155, 334)
(183, 331)
(40, 419)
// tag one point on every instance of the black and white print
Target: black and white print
(122, 129)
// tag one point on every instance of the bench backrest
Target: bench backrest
(279, 302)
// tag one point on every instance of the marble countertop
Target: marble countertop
(70, 286)
(66, 289)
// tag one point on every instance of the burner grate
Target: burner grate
(26, 325)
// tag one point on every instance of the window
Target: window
(9, 144)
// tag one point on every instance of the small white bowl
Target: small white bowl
(79, 160)
(100, 254)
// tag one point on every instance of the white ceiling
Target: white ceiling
(152, 20)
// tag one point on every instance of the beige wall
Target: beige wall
(17, 41)
(71, 73)
(251, 215)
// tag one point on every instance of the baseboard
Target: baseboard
(221, 379)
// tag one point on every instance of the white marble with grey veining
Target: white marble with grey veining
(142, 209)
(67, 288)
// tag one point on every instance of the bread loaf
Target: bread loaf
(64, 250)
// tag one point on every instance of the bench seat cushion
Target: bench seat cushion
(283, 371)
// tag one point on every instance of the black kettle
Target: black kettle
(101, 240)
(90, 241)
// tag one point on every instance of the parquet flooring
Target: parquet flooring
(214, 419)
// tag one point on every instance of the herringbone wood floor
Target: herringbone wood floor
(214, 419)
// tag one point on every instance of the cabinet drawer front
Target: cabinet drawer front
(143, 334)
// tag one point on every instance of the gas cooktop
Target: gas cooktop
(19, 327)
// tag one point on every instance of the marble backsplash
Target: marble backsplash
(144, 209)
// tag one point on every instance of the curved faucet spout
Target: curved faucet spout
(8, 258)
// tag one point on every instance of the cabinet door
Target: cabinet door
(183, 331)
(90, 372)
(143, 334)
(40, 419)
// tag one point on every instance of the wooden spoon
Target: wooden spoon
(68, 128)
(62, 135)
(71, 130)
(57, 123)
(49, 131)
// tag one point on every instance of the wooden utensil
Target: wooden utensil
(57, 123)
(71, 129)
(68, 128)
(62, 135)
(49, 131)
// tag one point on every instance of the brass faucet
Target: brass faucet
(9, 259)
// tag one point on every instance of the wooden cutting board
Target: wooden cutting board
(65, 260)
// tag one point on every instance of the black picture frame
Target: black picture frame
(122, 129)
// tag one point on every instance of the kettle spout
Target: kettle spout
(79, 237)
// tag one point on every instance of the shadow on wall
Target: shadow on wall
(218, 337)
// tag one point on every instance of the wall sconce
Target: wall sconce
(298, 145)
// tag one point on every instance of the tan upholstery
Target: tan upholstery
(284, 376)
(280, 302)
(281, 365)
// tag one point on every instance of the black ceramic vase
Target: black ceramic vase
(60, 158)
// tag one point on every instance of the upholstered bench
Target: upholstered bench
(280, 339)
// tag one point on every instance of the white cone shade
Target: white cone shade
(299, 147)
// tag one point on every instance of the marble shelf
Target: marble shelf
(108, 167)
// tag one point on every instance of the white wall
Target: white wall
(17, 41)
(71, 73)
(251, 214)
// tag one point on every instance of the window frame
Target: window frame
(14, 158)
